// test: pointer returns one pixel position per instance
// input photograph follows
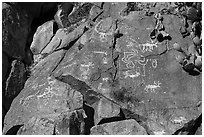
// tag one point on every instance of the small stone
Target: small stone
(165, 34)
(180, 58)
(192, 49)
(197, 41)
(198, 62)
(192, 34)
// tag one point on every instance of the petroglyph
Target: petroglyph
(130, 65)
(85, 68)
(131, 73)
(142, 64)
(152, 87)
(179, 120)
(154, 63)
(127, 56)
(104, 28)
(149, 46)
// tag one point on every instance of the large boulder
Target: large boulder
(111, 64)
(126, 127)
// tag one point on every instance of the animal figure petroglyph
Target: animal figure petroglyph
(152, 87)
(149, 46)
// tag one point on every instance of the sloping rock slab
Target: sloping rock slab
(47, 97)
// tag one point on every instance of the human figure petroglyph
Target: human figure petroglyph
(104, 28)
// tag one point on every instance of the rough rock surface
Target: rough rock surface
(15, 26)
(126, 127)
(125, 61)
(18, 24)
(42, 37)
(16, 77)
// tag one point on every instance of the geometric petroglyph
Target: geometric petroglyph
(138, 61)
(154, 63)
(141, 64)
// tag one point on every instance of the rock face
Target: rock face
(15, 26)
(18, 23)
(126, 127)
(120, 60)
(15, 29)
(16, 77)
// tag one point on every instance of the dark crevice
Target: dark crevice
(54, 131)
(59, 62)
(71, 44)
(89, 120)
(113, 119)
(13, 130)
(47, 43)
(44, 17)
(90, 96)
(115, 56)
(94, 19)
(192, 71)
(55, 27)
